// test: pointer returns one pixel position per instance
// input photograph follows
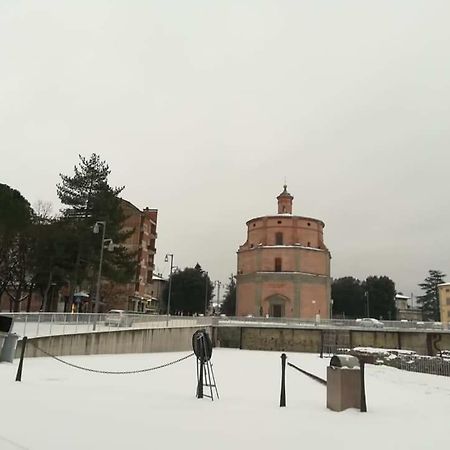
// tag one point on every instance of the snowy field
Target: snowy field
(57, 407)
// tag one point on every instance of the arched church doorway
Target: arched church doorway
(277, 305)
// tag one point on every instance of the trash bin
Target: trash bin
(343, 383)
(9, 348)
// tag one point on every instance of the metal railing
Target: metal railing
(52, 324)
(47, 324)
(332, 323)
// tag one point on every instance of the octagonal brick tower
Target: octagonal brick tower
(284, 266)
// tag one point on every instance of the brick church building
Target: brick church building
(284, 266)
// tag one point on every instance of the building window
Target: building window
(309, 224)
(251, 245)
(278, 238)
(254, 224)
(277, 264)
(447, 289)
(448, 314)
(309, 244)
(448, 301)
(279, 222)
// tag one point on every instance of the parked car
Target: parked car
(370, 322)
(118, 318)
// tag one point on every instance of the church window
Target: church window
(277, 264)
(278, 238)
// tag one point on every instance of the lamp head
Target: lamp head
(96, 228)
(166, 259)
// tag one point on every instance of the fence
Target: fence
(49, 324)
(414, 363)
(395, 325)
(334, 341)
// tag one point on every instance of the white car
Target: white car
(369, 322)
(118, 318)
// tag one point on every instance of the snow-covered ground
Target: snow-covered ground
(57, 407)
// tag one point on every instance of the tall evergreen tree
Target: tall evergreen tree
(347, 294)
(380, 297)
(88, 198)
(191, 290)
(15, 222)
(430, 300)
(229, 302)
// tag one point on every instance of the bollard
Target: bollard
(283, 380)
(22, 354)
(321, 343)
(363, 387)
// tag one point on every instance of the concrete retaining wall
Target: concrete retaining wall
(309, 340)
(249, 338)
(111, 342)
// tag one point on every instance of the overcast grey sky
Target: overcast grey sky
(203, 107)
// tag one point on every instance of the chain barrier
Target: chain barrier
(110, 372)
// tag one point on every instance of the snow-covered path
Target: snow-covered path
(57, 407)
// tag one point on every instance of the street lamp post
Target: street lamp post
(206, 292)
(99, 275)
(218, 284)
(366, 294)
(100, 263)
(170, 285)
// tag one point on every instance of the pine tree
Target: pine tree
(229, 303)
(81, 192)
(89, 198)
(430, 300)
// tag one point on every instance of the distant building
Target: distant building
(406, 311)
(284, 266)
(444, 302)
(135, 296)
(156, 290)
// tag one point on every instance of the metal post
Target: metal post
(99, 275)
(38, 323)
(321, 343)
(363, 387)
(367, 303)
(218, 283)
(201, 363)
(25, 325)
(170, 287)
(283, 380)
(22, 354)
(206, 292)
